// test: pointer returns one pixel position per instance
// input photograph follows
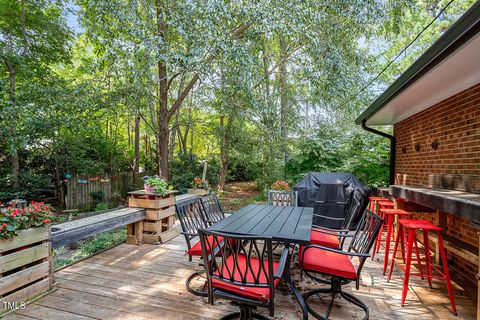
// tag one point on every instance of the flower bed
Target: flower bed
(25, 254)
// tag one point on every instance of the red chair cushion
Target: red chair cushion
(196, 250)
(255, 293)
(324, 239)
(328, 262)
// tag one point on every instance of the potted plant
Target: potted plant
(199, 187)
(25, 251)
(156, 184)
(280, 185)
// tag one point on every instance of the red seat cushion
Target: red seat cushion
(255, 293)
(324, 239)
(196, 250)
(328, 262)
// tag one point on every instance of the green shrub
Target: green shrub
(102, 206)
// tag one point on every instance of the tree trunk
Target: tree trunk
(283, 92)
(224, 149)
(162, 113)
(58, 183)
(162, 147)
(136, 166)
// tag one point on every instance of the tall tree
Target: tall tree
(33, 36)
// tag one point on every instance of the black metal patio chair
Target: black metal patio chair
(282, 198)
(212, 208)
(191, 216)
(335, 238)
(242, 270)
(337, 265)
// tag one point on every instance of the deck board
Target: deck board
(147, 282)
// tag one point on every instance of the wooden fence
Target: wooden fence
(80, 188)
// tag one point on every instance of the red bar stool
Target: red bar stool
(372, 204)
(425, 226)
(389, 216)
(384, 204)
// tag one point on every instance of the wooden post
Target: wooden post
(135, 233)
(158, 224)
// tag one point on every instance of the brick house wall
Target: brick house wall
(455, 125)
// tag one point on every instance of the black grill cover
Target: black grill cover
(331, 194)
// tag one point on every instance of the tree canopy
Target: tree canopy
(258, 89)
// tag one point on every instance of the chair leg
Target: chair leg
(387, 242)
(246, 313)
(426, 245)
(198, 292)
(308, 294)
(354, 300)
(446, 272)
(334, 290)
(417, 253)
(395, 248)
(407, 266)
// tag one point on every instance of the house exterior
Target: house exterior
(434, 108)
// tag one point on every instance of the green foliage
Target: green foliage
(97, 197)
(102, 206)
(89, 247)
(273, 77)
(364, 155)
(159, 184)
(31, 185)
(184, 170)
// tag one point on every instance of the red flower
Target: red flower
(4, 224)
(46, 221)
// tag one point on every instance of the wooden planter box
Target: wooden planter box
(199, 192)
(159, 218)
(25, 267)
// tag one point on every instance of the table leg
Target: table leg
(287, 277)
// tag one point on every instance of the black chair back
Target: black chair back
(213, 209)
(283, 198)
(228, 258)
(191, 216)
(346, 222)
(364, 237)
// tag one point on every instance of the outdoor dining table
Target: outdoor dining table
(289, 225)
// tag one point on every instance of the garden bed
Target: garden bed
(25, 267)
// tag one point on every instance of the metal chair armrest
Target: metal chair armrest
(330, 229)
(282, 263)
(329, 218)
(189, 234)
(352, 254)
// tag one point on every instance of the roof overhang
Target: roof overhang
(449, 66)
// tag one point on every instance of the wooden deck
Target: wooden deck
(147, 282)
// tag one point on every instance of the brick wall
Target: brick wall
(455, 124)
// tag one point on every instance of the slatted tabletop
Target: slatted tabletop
(284, 224)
